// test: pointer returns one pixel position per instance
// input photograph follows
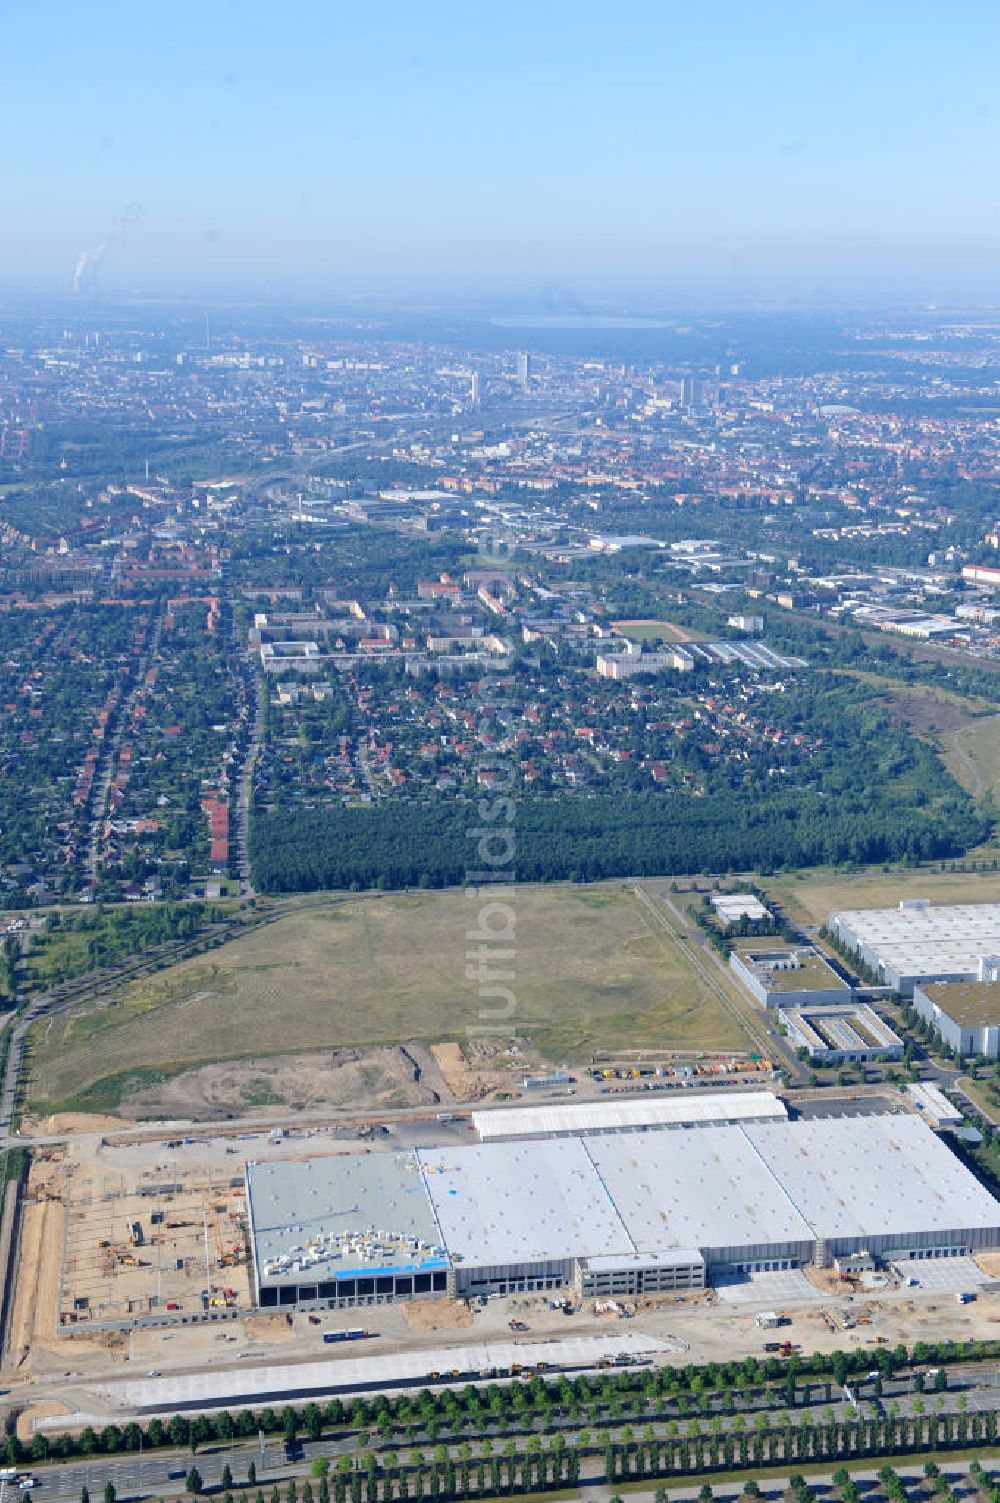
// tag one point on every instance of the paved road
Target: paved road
(256, 690)
(774, 1485)
(164, 1473)
(715, 976)
(110, 747)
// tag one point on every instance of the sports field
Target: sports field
(589, 973)
(651, 630)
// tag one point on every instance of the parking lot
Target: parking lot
(943, 1273)
(767, 1291)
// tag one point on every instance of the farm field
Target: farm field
(589, 974)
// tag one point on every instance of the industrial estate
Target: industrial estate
(501, 928)
(696, 1197)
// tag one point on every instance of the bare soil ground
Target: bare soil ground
(366, 1078)
(27, 1417)
(60, 1123)
(476, 1070)
(436, 1314)
(33, 1337)
(270, 1328)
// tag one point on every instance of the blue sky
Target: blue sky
(629, 149)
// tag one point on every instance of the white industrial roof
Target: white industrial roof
(531, 1201)
(887, 1176)
(700, 1189)
(717, 1189)
(348, 1213)
(689, 1107)
(927, 1098)
(736, 905)
(926, 941)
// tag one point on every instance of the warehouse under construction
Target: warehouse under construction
(609, 1213)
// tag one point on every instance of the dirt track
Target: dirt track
(36, 1300)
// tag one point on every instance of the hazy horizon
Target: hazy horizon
(450, 152)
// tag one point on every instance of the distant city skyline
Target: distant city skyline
(659, 151)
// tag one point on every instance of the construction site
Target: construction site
(159, 1247)
(139, 1253)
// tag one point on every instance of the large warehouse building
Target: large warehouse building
(917, 942)
(609, 1213)
(966, 1014)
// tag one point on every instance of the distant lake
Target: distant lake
(578, 321)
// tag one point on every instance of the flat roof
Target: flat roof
(927, 1097)
(735, 905)
(967, 1003)
(813, 972)
(341, 1215)
(926, 941)
(689, 1107)
(715, 1189)
(708, 1188)
(536, 1200)
(886, 1176)
(843, 1025)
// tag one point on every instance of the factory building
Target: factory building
(686, 1109)
(917, 942)
(788, 976)
(966, 1014)
(836, 1035)
(612, 1213)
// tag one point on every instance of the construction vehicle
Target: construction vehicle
(135, 1233)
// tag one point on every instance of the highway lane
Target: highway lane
(164, 1472)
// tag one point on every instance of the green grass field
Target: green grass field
(589, 974)
(650, 630)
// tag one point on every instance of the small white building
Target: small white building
(732, 906)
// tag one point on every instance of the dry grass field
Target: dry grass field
(590, 974)
(972, 755)
(810, 896)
